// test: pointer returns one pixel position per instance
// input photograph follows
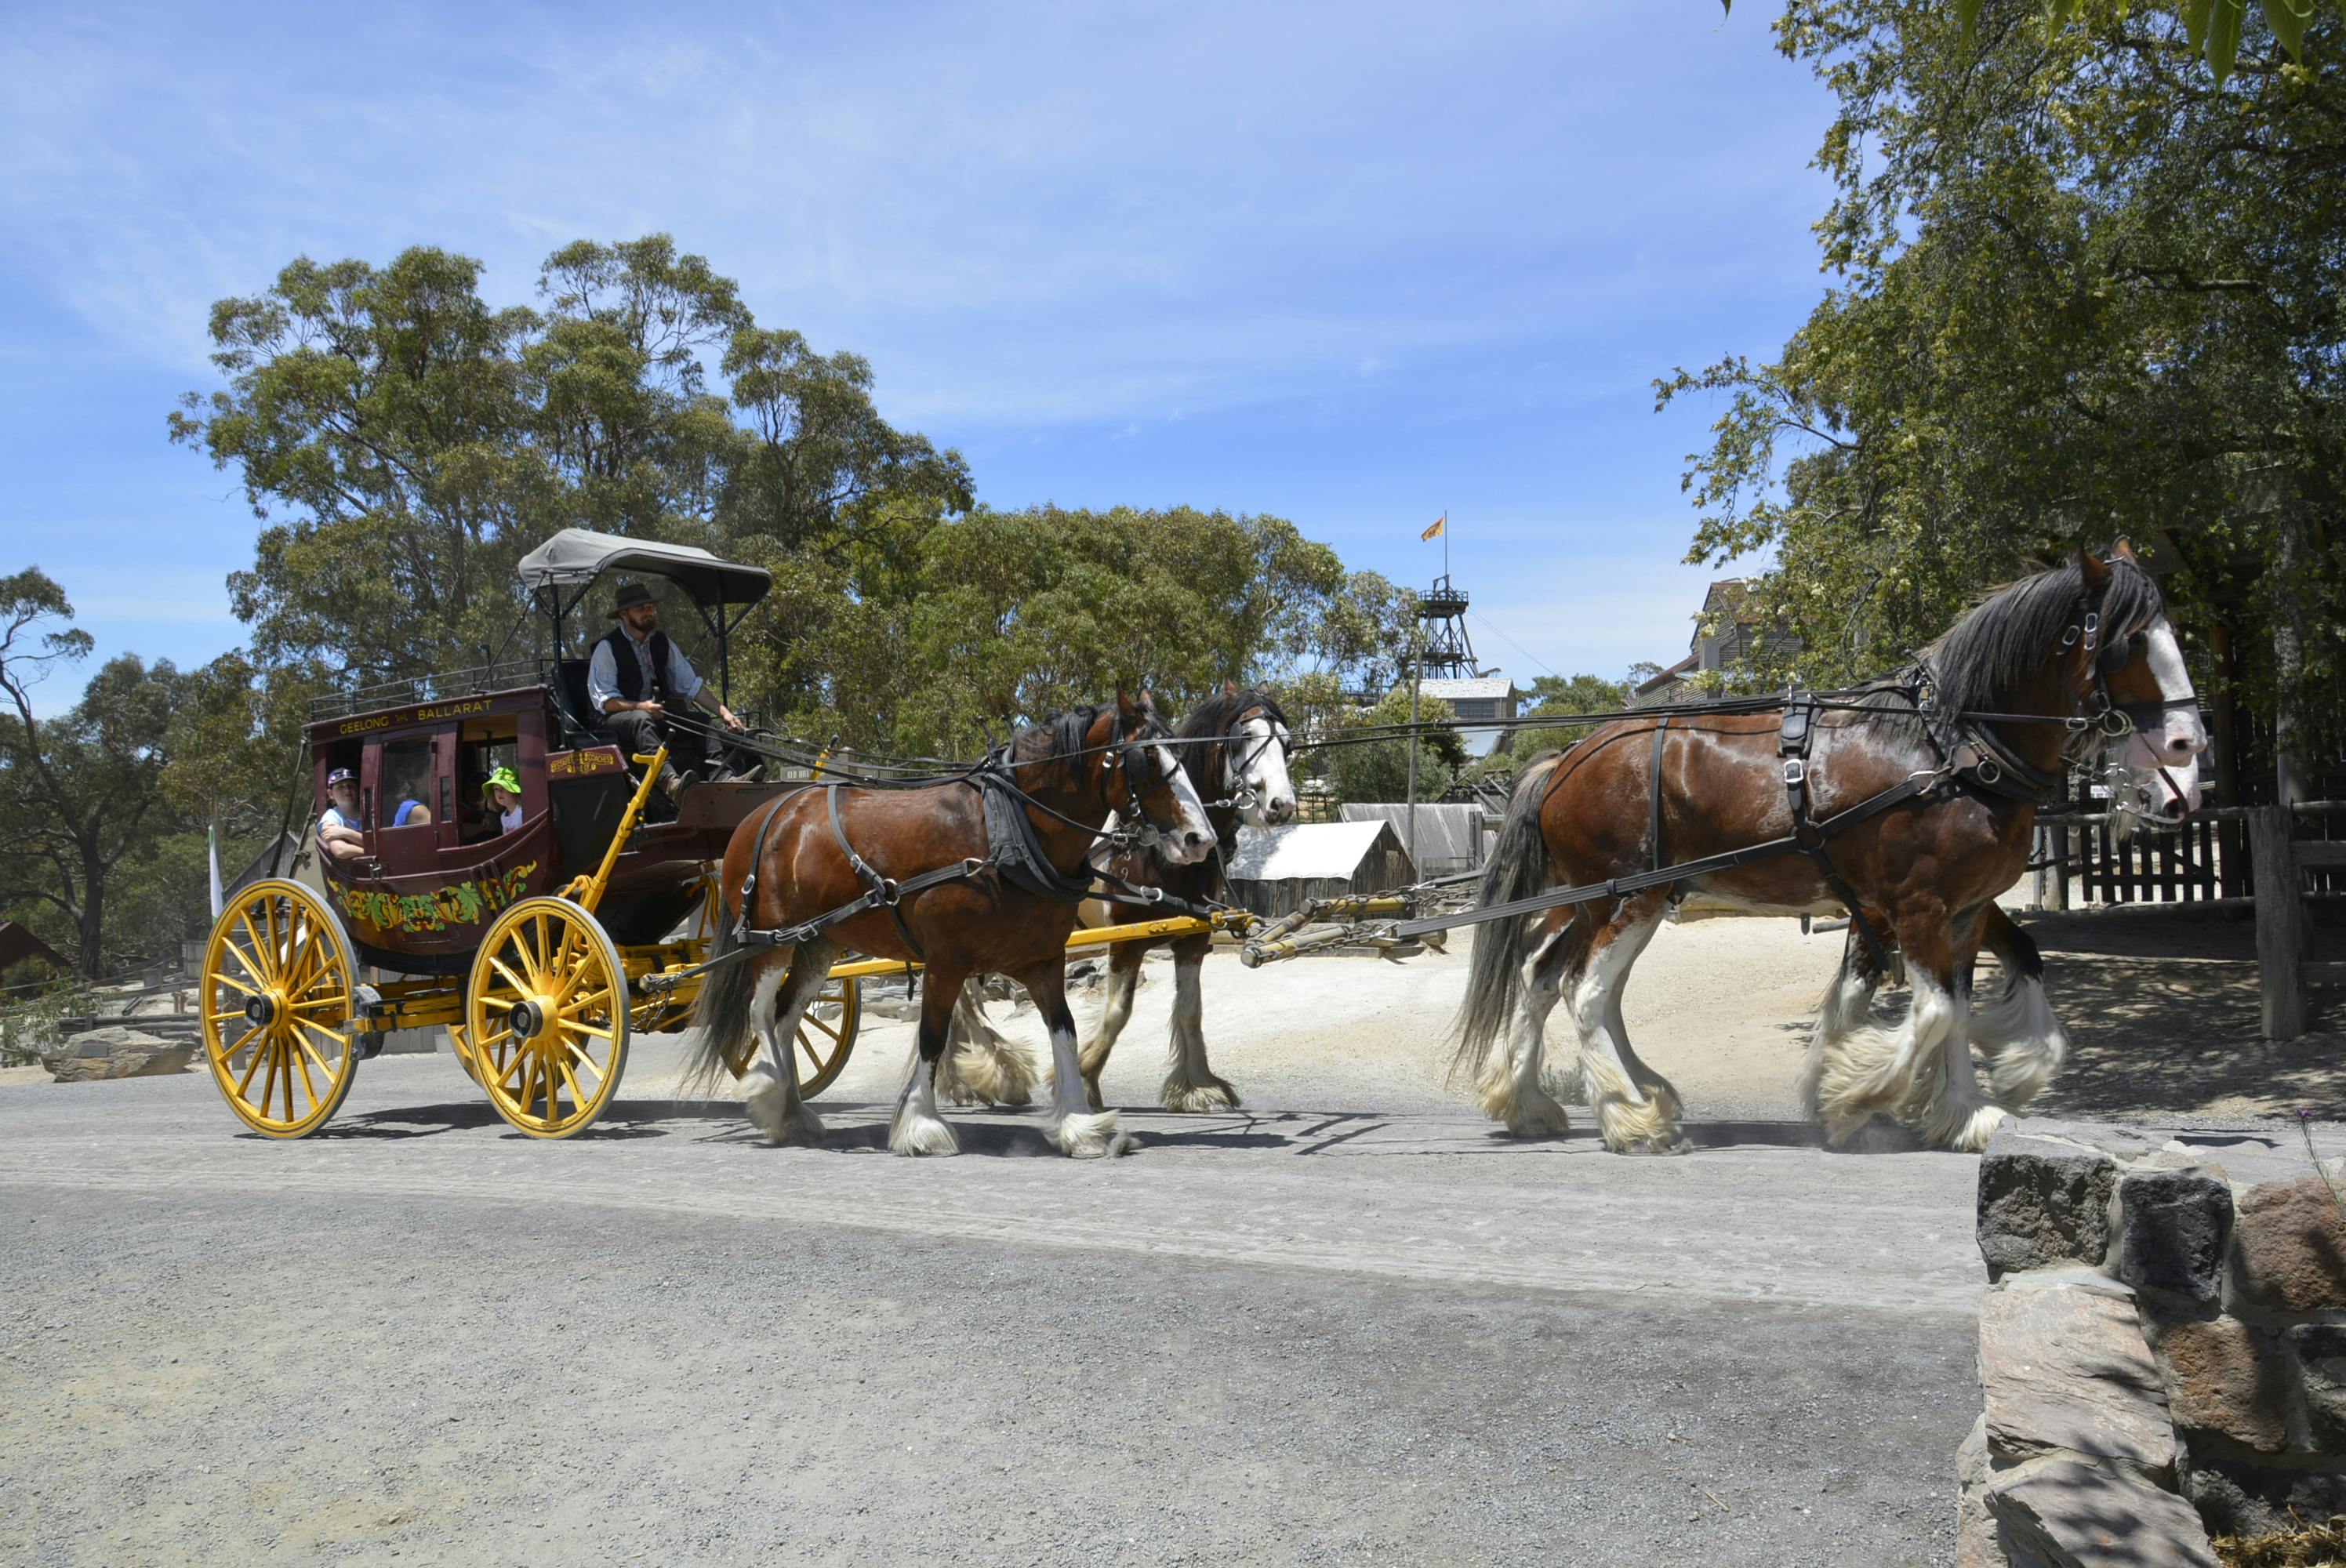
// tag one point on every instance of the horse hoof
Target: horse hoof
(1092, 1137)
(916, 1136)
(1194, 1099)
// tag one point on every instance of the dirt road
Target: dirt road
(1350, 1323)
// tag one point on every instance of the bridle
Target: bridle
(1136, 759)
(1237, 761)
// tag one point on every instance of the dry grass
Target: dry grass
(2308, 1546)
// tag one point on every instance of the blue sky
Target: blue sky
(1356, 265)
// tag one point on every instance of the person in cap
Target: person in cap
(502, 795)
(638, 676)
(339, 834)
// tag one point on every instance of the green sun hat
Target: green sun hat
(502, 778)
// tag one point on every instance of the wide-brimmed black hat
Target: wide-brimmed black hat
(630, 594)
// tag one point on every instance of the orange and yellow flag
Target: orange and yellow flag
(1435, 531)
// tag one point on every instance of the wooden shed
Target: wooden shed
(1276, 870)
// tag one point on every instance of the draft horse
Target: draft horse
(1237, 758)
(1234, 747)
(1979, 727)
(820, 850)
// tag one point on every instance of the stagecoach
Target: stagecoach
(532, 946)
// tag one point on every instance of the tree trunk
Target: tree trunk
(93, 915)
(2289, 650)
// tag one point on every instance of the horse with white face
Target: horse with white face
(2046, 664)
(1234, 747)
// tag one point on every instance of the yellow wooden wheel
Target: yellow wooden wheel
(826, 1038)
(277, 1009)
(546, 1015)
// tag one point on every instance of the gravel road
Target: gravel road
(1350, 1325)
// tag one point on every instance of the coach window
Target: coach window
(409, 792)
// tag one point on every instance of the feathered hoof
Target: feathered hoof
(1533, 1114)
(989, 1074)
(768, 1101)
(1187, 1098)
(1092, 1137)
(1966, 1135)
(1630, 1129)
(914, 1134)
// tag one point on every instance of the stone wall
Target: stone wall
(2162, 1352)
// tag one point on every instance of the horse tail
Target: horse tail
(1518, 868)
(721, 1017)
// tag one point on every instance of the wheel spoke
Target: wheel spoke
(330, 1035)
(258, 970)
(586, 1003)
(812, 1022)
(580, 1051)
(259, 1052)
(224, 978)
(223, 1017)
(308, 1085)
(586, 1028)
(577, 1095)
(520, 989)
(312, 1051)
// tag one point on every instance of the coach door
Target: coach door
(408, 798)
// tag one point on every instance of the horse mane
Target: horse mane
(1208, 722)
(2001, 640)
(1061, 733)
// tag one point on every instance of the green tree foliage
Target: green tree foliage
(405, 442)
(1558, 696)
(1378, 770)
(2084, 291)
(81, 795)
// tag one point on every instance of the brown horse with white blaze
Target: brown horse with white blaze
(1068, 774)
(2029, 673)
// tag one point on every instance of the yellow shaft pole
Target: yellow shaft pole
(591, 894)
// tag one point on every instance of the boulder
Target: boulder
(2321, 1360)
(2289, 1247)
(2223, 1376)
(2068, 1368)
(115, 1052)
(2077, 1514)
(2173, 1226)
(2239, 1497)
(2043, 1202)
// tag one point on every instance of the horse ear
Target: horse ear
(1229, 688)
(1149, 701)
(2091, 570)
(1124, 709)
(2123, 550)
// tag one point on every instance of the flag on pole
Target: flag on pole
(1435, 531)
(213, 835)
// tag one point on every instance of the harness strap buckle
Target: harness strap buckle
(1795, 771)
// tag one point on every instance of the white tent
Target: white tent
(1278, 869)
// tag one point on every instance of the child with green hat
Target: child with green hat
(502, 795)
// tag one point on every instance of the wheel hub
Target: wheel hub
(527, 1019)
(261, 1012)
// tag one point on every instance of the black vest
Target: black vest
(631, 674)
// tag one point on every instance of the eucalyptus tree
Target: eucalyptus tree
(2082, 289)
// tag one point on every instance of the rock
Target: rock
(2321, 1358)
(1976, 1542)
(2068, 1368)
(2223, 1376)
(2125, 1143)
(2240, 1498)
(2289, 1247)
(2173, 1226)
(115, 1052)
(2043, 1202)
(2076, 1514)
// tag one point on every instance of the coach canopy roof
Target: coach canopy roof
(581, 554)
